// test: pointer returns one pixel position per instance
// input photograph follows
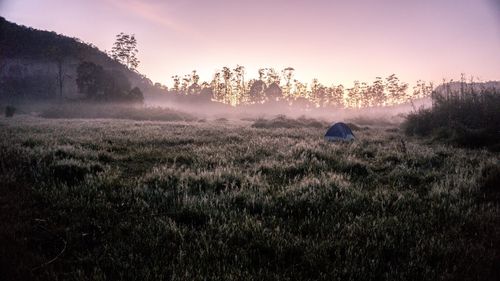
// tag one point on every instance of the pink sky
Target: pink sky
(334, 41)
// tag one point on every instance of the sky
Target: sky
(335, 41)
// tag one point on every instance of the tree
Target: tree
(112, 86)
(59, 54)
(272, 77)
(301, 89)
(185, 83)
(337, 96)
(378, 92)
(273, 92)
(288, 75)
(177, 83)
(256, 93)
(397, 91)
(135, 95)
(240, 95)
(318, 93)
(206, 93)
(117, 86)
(354, 95)
(125, 50)
(90, 79)
(194, 88)
(227, 75)
(216, 87)
(365, 95)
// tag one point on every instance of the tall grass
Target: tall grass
(467, 117)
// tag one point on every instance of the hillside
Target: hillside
(34, 62)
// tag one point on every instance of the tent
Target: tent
(339, 132)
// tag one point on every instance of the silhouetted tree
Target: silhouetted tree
(396, 91)
(335, 96)
(256, 93)
(194, 88)
(228, 86)
(125, 50)
(177, 83)
(378, 92)
(185, 83)
(272, 77)
(318, 93)
(354, 95)
(288, 75)
(216, 87)
(239, 96)
(365, 95)
(228, 91)
(206, 92)
(300, 90)
(59, 54)
(273, 92)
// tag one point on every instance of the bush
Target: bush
(419, 123)
(467, 119)
(490, 178)
(9, 111)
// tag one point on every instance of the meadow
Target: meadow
(241, 200)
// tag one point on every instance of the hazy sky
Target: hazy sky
(334, 41)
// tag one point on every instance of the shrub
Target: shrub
(9, 111)
(419, 123)
(464, 118)
(489, 180)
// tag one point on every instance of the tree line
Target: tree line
(230, 86)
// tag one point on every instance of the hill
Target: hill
(38, 64)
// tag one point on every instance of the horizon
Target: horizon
(435, 41)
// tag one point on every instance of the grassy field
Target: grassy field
(225, 200)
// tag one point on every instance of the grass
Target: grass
(227, 201)
(281, 121)
(85, 110)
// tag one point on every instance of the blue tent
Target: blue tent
(339, 132)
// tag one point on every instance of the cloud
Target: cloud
(156, 12)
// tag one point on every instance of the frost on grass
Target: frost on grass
(226, 200)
